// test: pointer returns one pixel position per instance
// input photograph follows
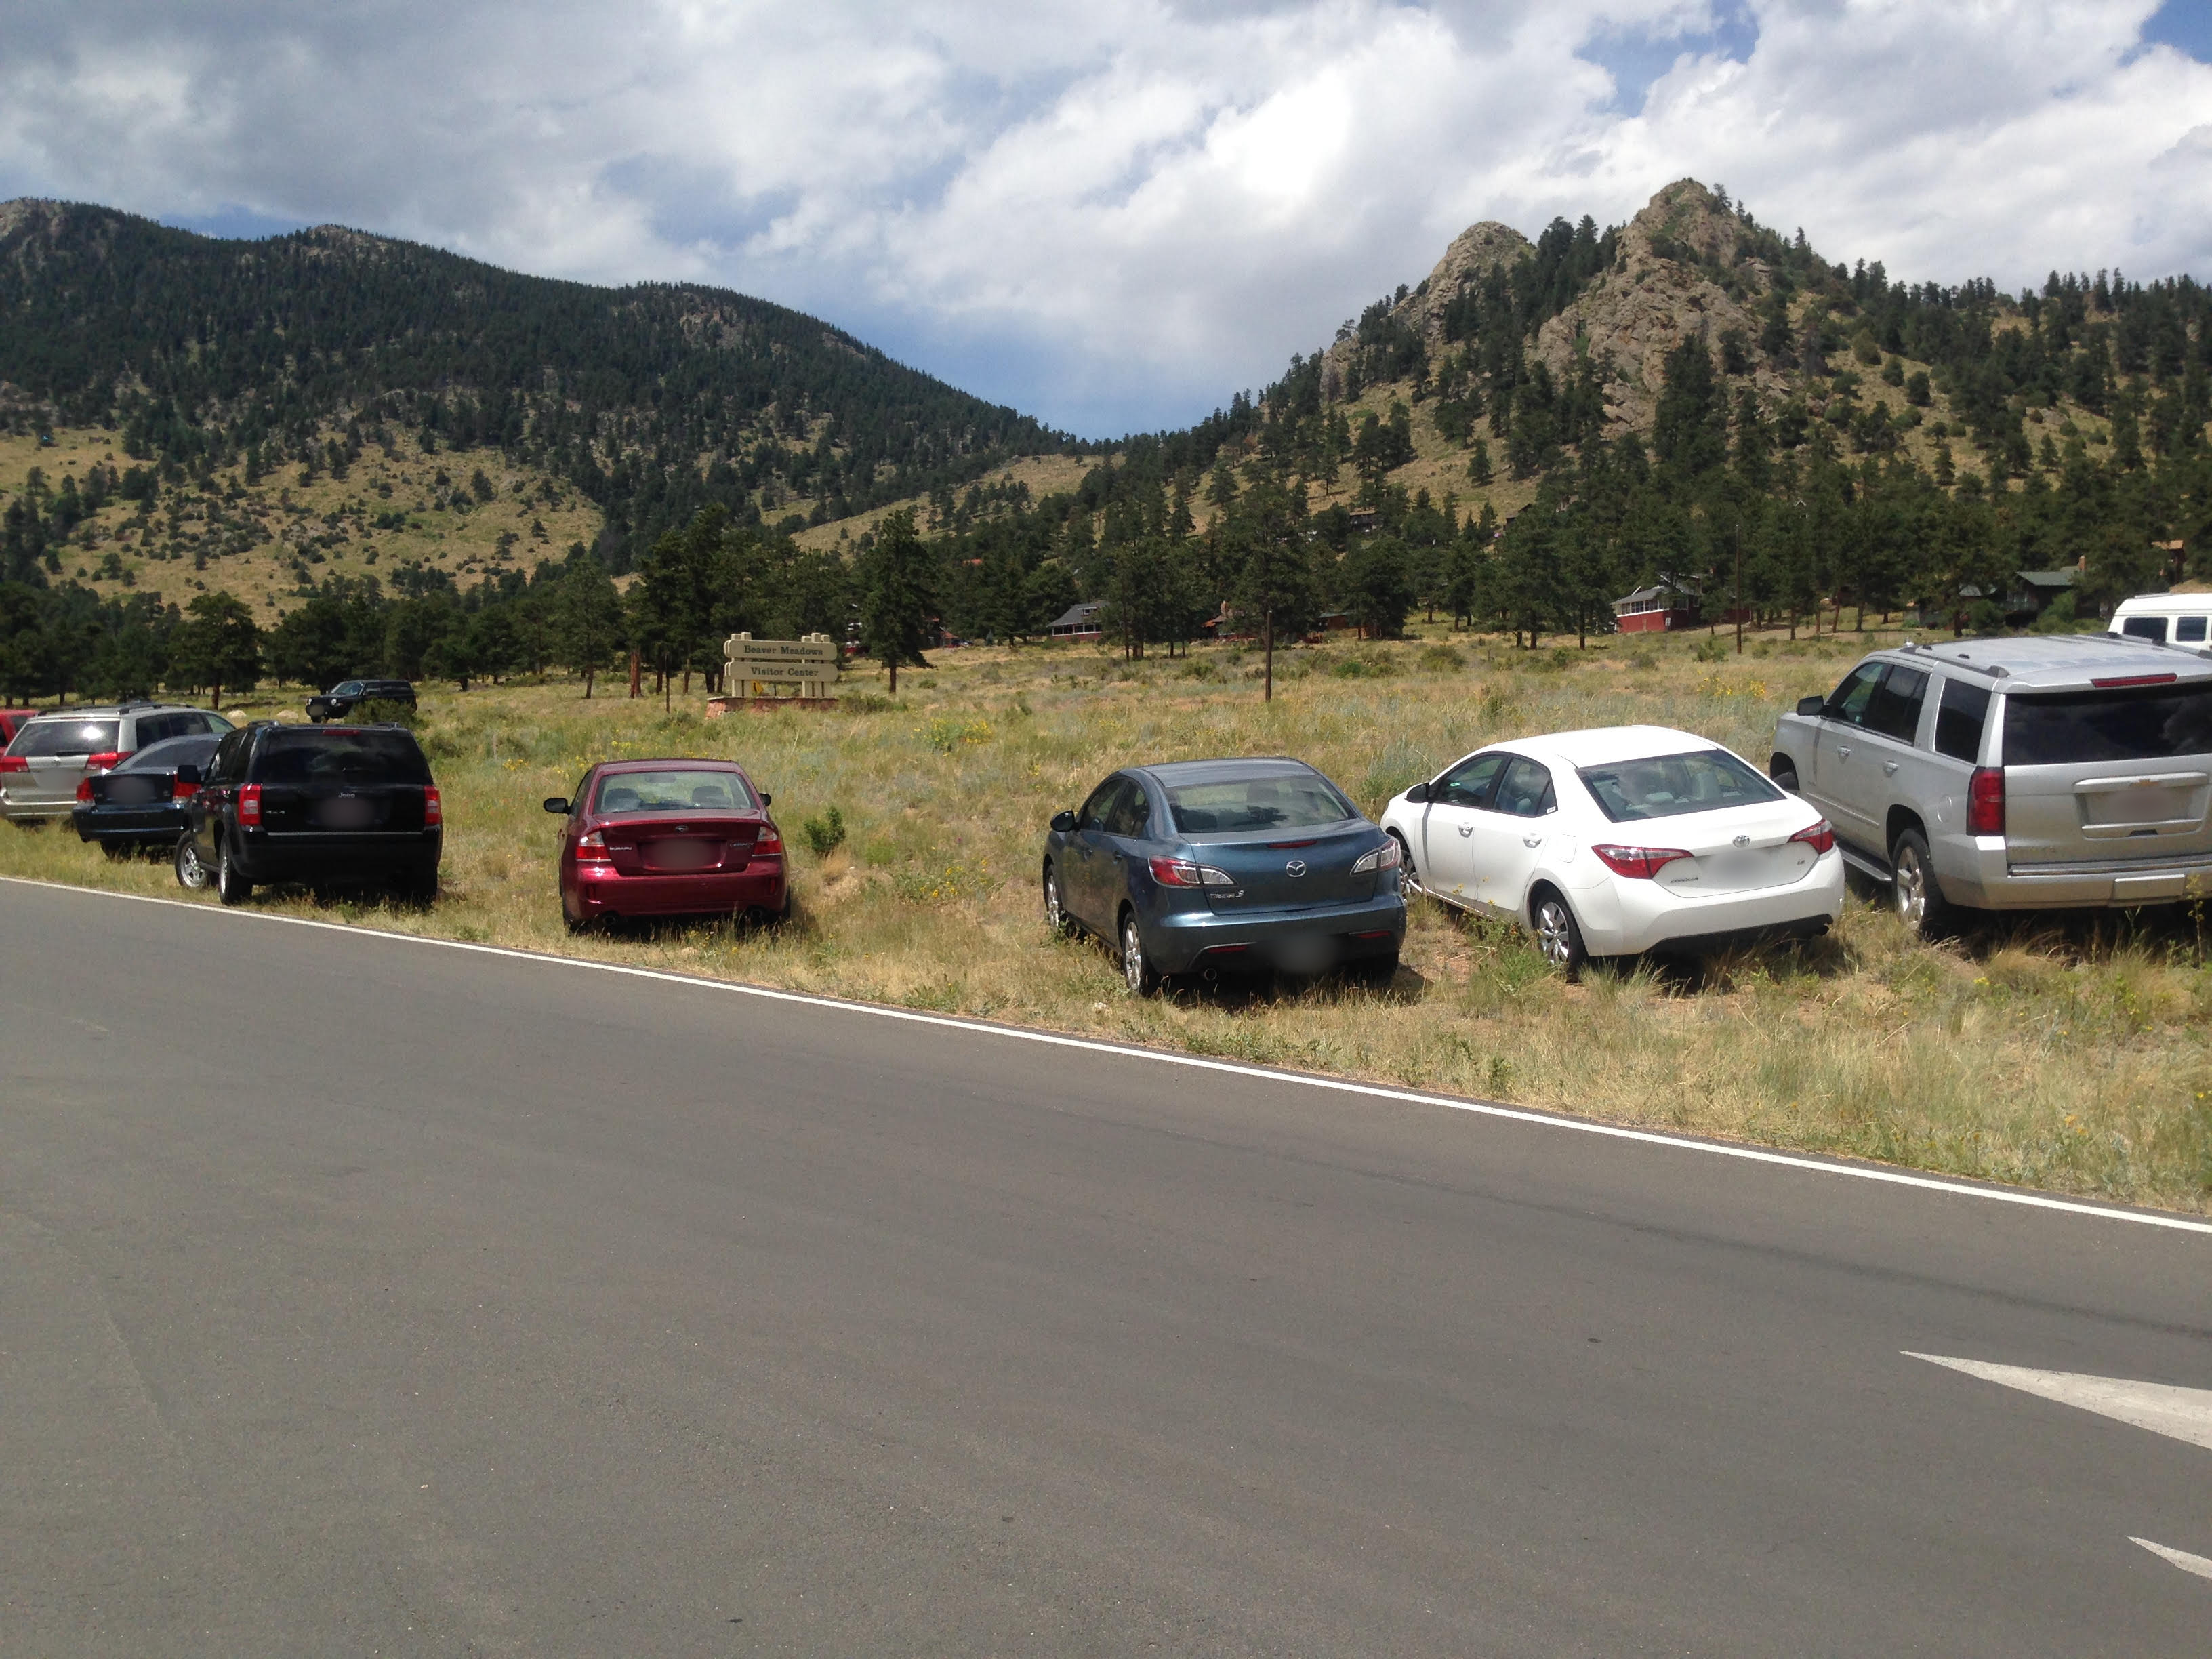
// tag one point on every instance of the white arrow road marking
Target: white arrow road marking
(2182, 1413)
(2182, 1558)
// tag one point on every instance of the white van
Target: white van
(2166, 619)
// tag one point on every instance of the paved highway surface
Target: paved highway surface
(360, 1296)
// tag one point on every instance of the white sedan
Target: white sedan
(1619, 840)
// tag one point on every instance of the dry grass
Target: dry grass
(2068, 1055)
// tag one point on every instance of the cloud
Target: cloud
(1114, 213)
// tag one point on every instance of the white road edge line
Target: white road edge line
(2182, 1558)
(1196, 1062)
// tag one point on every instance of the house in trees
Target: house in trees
(1668, 603)
(2027, 595)
(1079, 621)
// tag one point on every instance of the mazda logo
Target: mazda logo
(1295, 867)
(1743, 840)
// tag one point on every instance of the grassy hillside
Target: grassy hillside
(2064, 1053)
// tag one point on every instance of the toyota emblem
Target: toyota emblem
(1295, 867)
(1743, 840)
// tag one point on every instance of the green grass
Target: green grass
(2062, 1054)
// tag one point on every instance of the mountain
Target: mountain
(652, 400)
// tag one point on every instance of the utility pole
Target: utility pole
(1267, 634)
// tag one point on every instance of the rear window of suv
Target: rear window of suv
(65, 738)
(2137, 723)
(312, 756)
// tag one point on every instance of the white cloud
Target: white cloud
(1115, 212)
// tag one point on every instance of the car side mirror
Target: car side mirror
(558, 804)
(1063, 822)
(1809, 707)
(767, 800)
(189, 774)
(1417, 794)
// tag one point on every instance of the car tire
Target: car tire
(231, 885)
(191, 874)
(1914, 891)
(1558, 935)
(1057, 922)
(1377, 972)
(419, 886)
(117, 851)
(1784, 772)
(1409, 878)
(1137, 970)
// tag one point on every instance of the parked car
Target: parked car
(13, 721)
(141, 803)
(52, 754)
(2014, 773)
(341, 700)
(1198, 866)
(314, 803)
(2166, 619)
(1619, 840)
(669, 837)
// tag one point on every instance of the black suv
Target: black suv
(314, 803)
(342, 699)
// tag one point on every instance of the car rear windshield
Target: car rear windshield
(1301, 800)
(674, 791)
(65, 738)
(2135, 723)
(170, 753)
(1664, 786)
(312, 756)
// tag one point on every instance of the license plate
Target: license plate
(346, 813)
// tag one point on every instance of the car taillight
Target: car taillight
(1641, 862)
(14, 763)
(434, 809)
(84, 790)
(107, 759)
(1820, 837)
(593, 849)
(1385, 857)
(249, 806)
(1182, 872)
(768, 841)
(181, 790)
(2112, 681)
(1985, 802)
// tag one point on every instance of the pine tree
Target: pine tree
(898, 596)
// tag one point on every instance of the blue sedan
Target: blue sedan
(1202, 866)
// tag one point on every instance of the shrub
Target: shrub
(382, 711)
(825, 834)
(1441, 657)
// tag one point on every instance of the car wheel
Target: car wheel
(419, 886)
(1557, 934)
(117, 851)
(1056, 919)
(231, 886)
(1919, 900)
(1377, 972)
(1784, 773)
(1409, 878)
(1137, 971)
(191, 874)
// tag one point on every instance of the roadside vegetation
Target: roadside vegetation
(2060, 1053)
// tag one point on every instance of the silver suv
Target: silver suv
(41, 771)
(2014, 773)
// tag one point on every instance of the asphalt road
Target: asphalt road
(365, 1296)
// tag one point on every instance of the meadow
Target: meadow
(2062, 1052)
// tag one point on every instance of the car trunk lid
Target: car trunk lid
(1742, 849)
(685, 844)
(1300, 870)
(342, 808)
(2109, 775)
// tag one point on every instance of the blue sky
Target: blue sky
(1114, 214)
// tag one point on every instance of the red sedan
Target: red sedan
(669, 837)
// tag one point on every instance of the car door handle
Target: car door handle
(1466, 829)
(1842, 751)
(1532, 841)
(1889, 768)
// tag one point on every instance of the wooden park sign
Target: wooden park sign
(778, 672)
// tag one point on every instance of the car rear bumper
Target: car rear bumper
(1624, 917)
(602, 890)
(1307, 940)
(1977, 871)
(128, 823)
(335, 856)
